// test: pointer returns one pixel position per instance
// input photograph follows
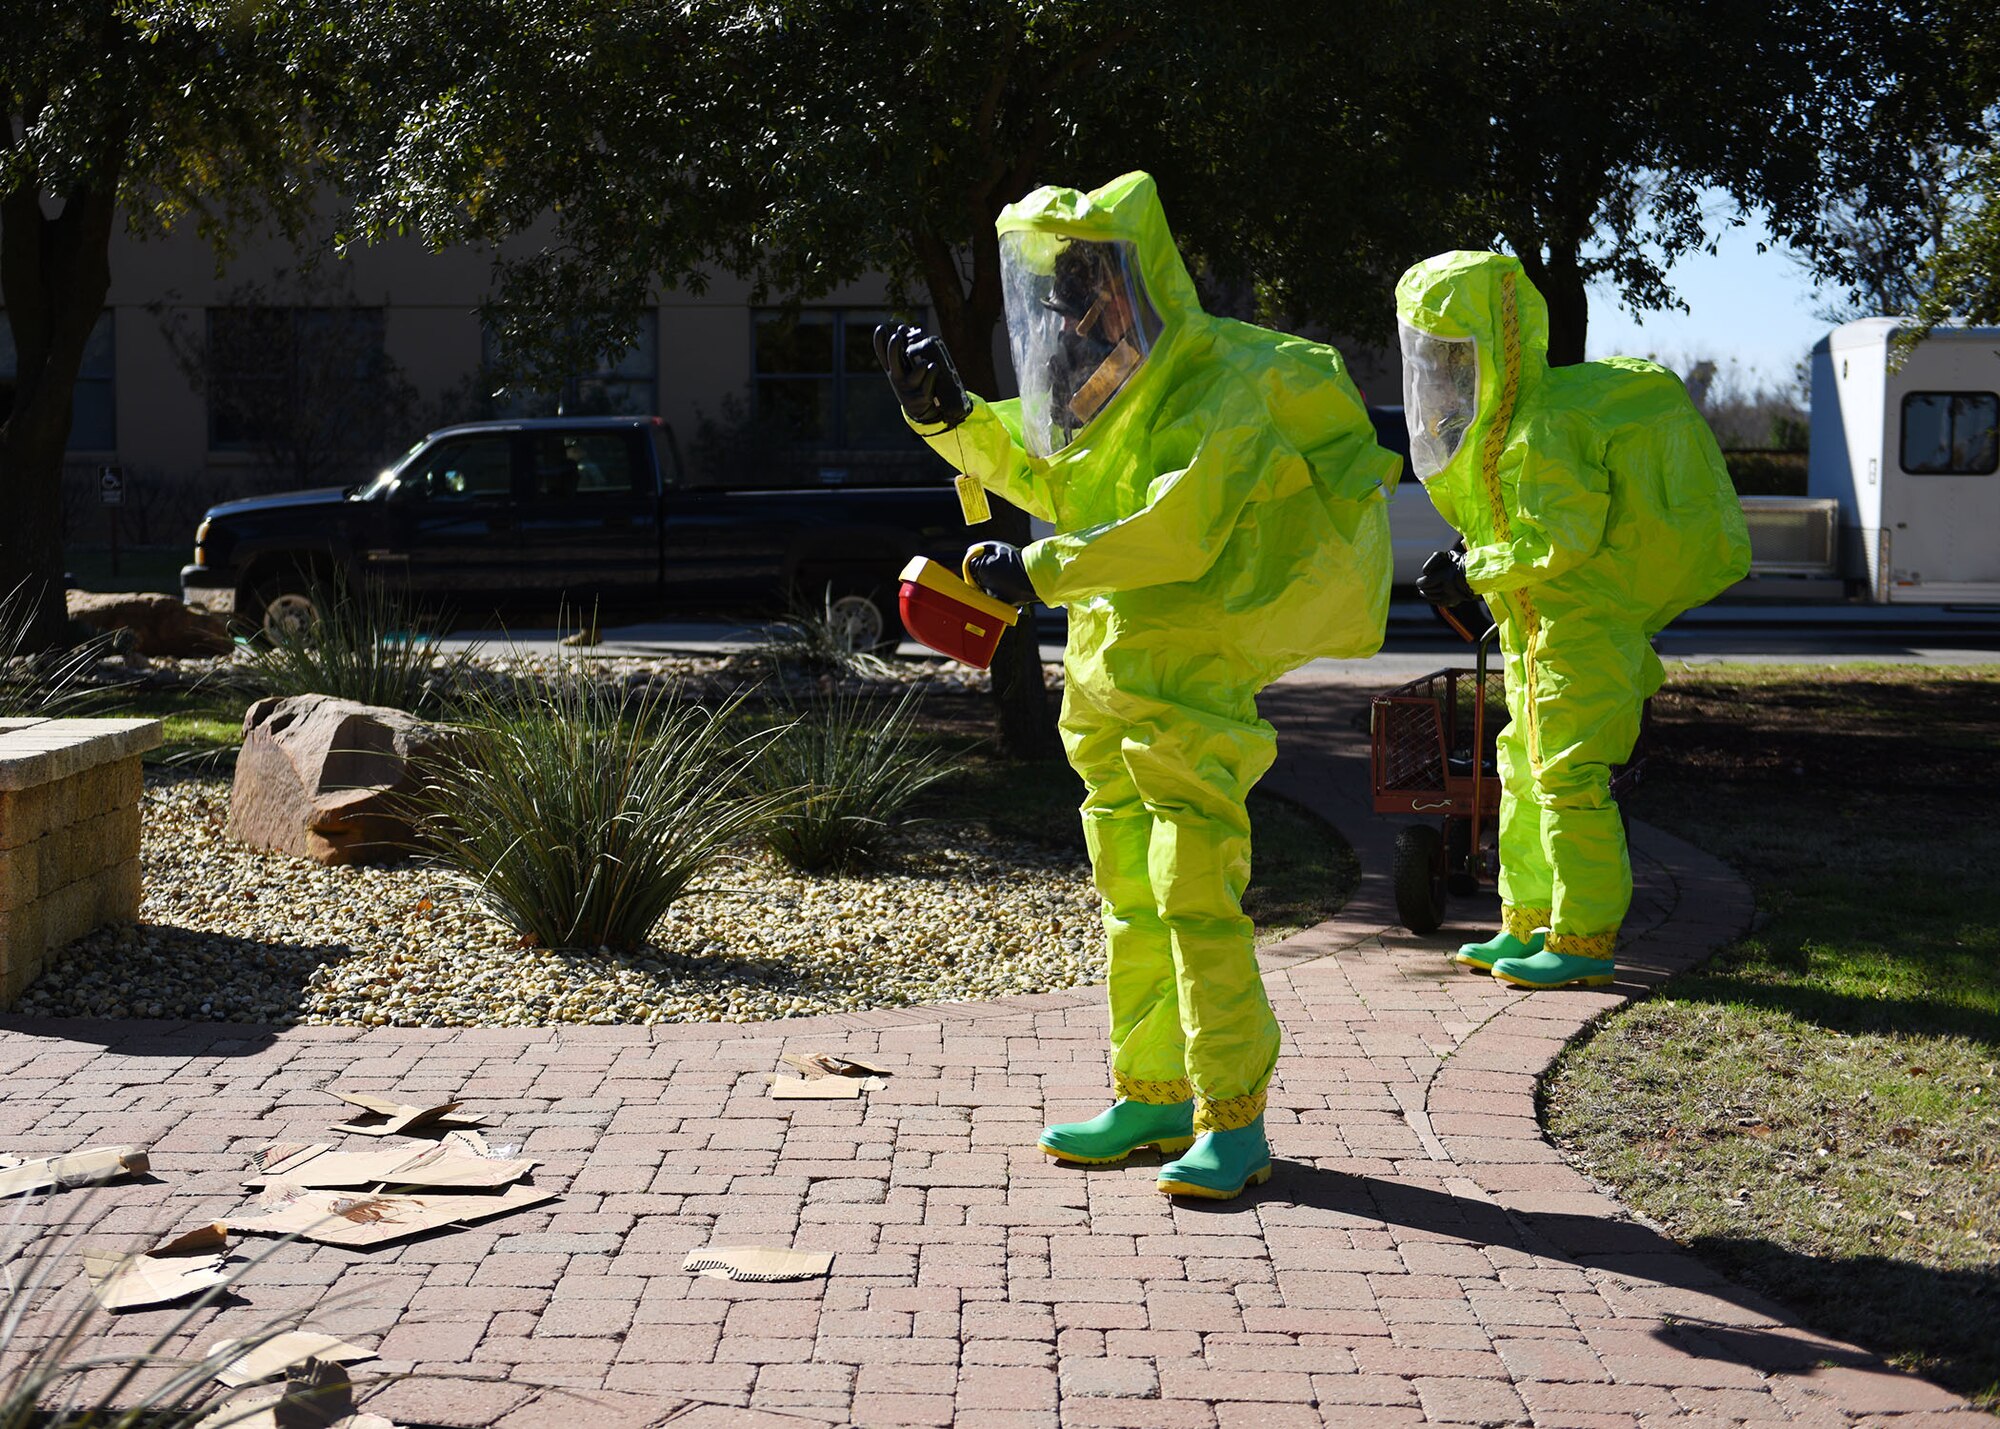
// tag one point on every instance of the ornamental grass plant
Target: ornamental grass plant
(45, 682)
(818, 640)
(55, 1372)
(361, 643)
(578, 816)
(857, 761)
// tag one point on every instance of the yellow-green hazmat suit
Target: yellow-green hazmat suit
(1220, 519)
(1595, 508)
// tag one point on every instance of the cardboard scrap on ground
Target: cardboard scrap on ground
(813, 1065)
(825, 1089)
(384, 1116)
(92, 1166)
(317, 1395)
(757, 1262)
(184, 1266)
(273, 1358)
(826, 1077)
(364, 1221)
(439, 1163)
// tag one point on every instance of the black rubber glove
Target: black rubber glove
(997, 569)
(1442, 580)
(920, 369)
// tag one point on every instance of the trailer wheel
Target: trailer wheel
(1420, 878)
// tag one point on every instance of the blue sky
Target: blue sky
(1755, 308)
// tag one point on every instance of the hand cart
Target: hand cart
(1433, 751)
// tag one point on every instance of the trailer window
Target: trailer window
(1951, 433)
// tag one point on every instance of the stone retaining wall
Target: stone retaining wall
(69, 834)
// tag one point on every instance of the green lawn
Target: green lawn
(1817, 1110)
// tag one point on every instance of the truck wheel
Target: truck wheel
(1420, 878)
(277, 608)
(863, 618)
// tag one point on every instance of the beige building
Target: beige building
(276, 373)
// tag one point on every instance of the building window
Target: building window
(289, 381)
(626, 386)
(1951, 433)
(93, 421)
(818, 383)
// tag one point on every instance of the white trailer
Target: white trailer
(1909, 457)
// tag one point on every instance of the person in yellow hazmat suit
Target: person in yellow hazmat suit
(1221, 516)
(1595, 507)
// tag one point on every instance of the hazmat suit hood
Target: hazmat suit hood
(1093, 287)
(1475, 340)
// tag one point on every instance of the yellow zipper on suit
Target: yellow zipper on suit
(1520, 605)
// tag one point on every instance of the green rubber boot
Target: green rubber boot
(1115, 1134)
(1482, 956)
(1220, 1164)
(1546, 970)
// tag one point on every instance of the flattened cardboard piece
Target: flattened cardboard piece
(757, 1262)
(91, 1166)
(813, 1065)
(182, 1267)
(822, 1089)
(436, 1163)
(274, 1357)
(317, 1395)
(384, 1116)
(364, 1221)
(213, 1236)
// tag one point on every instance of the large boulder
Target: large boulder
(328, 779)
(160, 624)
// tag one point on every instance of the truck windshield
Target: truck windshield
(383, 480)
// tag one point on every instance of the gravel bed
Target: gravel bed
(233, 934)
(697, 676)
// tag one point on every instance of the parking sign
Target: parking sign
(111, 485)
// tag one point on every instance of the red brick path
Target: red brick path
(1421, 1256)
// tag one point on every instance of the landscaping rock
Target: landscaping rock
(160, 624)
(326, 779)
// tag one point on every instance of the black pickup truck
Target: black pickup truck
(583, 512)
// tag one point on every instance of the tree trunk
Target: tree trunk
(967, 322)
(54, 275)
(1559, 278)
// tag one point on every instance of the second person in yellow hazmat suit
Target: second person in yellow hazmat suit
(1221, 517)
(1595, 508)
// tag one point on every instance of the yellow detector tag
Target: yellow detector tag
(972, 499)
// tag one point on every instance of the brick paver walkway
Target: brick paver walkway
(1421, 1256)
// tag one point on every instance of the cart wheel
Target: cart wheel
(1459, 876)
(1420, 883)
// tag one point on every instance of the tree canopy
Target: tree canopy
(145, 113)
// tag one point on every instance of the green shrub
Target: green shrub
(856, 761)
(362, 645)
(579, 821)
(44, 682)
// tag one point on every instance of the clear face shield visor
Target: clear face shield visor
(1079, 326)
(1440, 396)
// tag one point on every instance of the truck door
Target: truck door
(589, 523)
(455, 524)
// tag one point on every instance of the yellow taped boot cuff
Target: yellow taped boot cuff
(1220, 1164)
(1116, 1133)
(1482, 956)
